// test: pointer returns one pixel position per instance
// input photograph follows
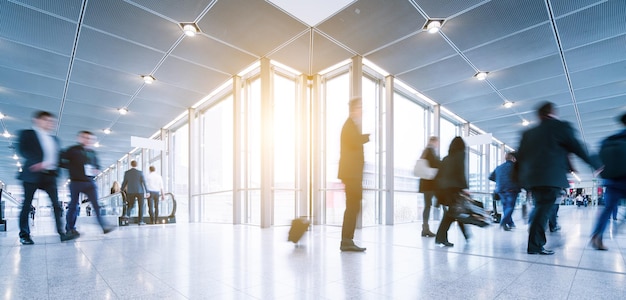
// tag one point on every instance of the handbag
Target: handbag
(423, 170)
(469, 211)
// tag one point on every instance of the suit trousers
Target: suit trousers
(48, 183)
(354, 195)
(131, 202)
(544, 198)
(88, 188)
(153, 206)
(612, 197)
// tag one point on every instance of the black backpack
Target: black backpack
(613, 156)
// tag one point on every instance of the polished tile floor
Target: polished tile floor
(216, 261)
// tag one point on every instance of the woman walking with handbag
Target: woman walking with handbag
(427, 187)
(451, 181)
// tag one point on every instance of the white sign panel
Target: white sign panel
(140, 142)
(474, 140)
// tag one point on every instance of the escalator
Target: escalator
(114, 205)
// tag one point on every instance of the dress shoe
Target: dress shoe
(349, 245)
(108, 229)
(542, 252)
(26, 240)
(505, 227)
(555, 229)
(67, 236)
(426, 231)
(597, 244)
(444, 244)
(74, 232)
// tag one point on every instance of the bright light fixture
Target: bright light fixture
(433, 26)
(15, 157)
(481, 75)
(107, 131)
(190, 29)
(97, 145)
(6, 134)
(508, 104)
(525, 123)
(122, 111)
(148, 79)
(18, 164)
(1, 116)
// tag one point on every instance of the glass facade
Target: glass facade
(215, 165)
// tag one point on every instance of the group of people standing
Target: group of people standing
(540, 166)
(134, 189)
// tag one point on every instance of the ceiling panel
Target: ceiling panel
(526, 46)
(537, 89)
(102, 98)
(438, 74)
(442, 9)
(602, 21)
(601, 75)
(39, 85)
(33, 60)
(181, 11)
(596, 54)
(326, 53)
(494, 20)
(189, 76)
(459, 91)
(415, 51)
(130, 22)
(296, 54)
(69, 9)
(100, 77)
(165, 93)
(561, 7)
(118, 54)
(213, 54)
(367, 25)
(259, 27)
(539, 69)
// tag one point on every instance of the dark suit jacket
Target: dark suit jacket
(542, 158)
(451, 174)
(30, 149)
(433, 160)
(351, 159)
(134, 182)
(75, 158)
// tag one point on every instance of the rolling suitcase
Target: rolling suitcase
(298, 227)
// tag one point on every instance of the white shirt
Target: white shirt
(154, 182)
(49, 147)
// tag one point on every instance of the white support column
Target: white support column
(193, 171)
(303, 147)
(317, 133)
(266, 143)
(389, 159)
(437, 124)
(237, 207)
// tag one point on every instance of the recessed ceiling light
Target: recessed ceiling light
(190, 29)
(15, 157)
(433, 26)
(508, 104)
(481, 75)
(148, 79)
(6, 134)
(525, 122)
(122, 110)
(106, 131)
(18, 164)
(97, 145)
(1, 116)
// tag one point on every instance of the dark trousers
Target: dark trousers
(153, 206)
(444, 226)
(552, 224)
(612, 197)
(354, 194)
(544, 198)
(48, 183)
(131, 202)
(428, 202)
(88, 188)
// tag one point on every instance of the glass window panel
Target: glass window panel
(372, 150)
(217, 148)
(448, 131)
(409, 142)
(180, 173)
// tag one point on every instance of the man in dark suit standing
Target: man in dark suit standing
(135, 186)
(82, 164)
(542, 167)
(40, 149)
(351, 162)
